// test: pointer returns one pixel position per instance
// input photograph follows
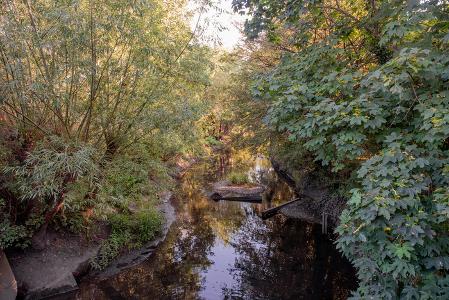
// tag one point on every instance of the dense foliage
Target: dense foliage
(363, 86)
(127, 232)
(99, 97)
(97, 100)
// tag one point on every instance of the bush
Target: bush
(125, 177)
(13, 235)
(110, 249)
(127, 232)
(238, 178)
(51, 166)
(133, 179)
(148, 223)
(212, 141)
(142, 226)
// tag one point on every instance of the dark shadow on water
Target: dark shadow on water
(223, 250)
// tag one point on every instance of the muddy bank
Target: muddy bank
(57, 269)
(316, 194)
(44, 273)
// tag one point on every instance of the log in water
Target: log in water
(246, 198)
(224, 250)
(273, 211)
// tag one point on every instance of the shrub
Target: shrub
(51, 166)
(13, 235)
(127, 232)
(147, 225)
(238, 178)
(110, 249)
(134, 178)
(212, 141)
(125, 177)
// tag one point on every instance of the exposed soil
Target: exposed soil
(42, 273)
(56, 269)
(316, 198)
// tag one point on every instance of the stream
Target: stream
(224, 250)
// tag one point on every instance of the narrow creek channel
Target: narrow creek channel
(223, 250)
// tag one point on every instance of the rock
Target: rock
(64, 285)
(49, 272)
(39, 241)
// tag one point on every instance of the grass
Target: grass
(238, 178)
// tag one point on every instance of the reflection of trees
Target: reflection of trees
(223, 217)
(174, 270)
(218, 164)
(278, 259)
(290, 260)
(172, 273)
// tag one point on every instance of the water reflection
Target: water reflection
(223, 250)
(287, 259)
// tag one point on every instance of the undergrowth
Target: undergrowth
(238, 178)
(128, 231)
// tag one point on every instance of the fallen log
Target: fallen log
(268, 213)
(223, 191)
(243, 198)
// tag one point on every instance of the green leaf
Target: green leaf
(403, 250)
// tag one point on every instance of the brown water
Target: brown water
(223, 250)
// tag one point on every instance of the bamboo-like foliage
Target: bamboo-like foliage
(83, 83)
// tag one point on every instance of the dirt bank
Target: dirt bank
(43, 273)
(56, 269)
(315, 192)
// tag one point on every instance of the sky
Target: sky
(230, 36)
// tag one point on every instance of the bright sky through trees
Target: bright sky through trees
(220, 16)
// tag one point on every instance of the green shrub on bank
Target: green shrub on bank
(238, 178)
(127, 232)
(37, 187)
(13, 235)
(51, 167)
(148, 223)
(125, 177)
(133, 178)
(212, 141)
